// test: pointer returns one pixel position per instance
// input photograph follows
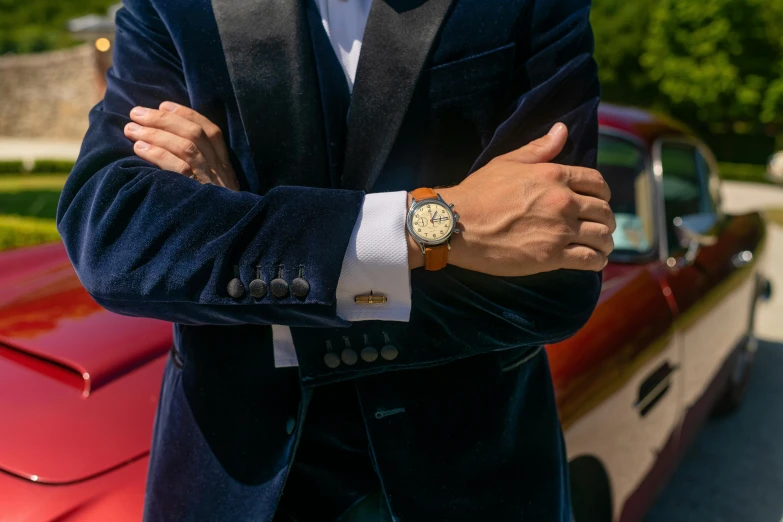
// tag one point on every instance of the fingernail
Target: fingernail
(139, 111)
(169, 106)
(143, 145)
(556, 129)
(132, 127)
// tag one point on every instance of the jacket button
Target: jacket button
(257, 285)
(300, 287)
(279, 288)
(257, 288)
(235, 288)
(349, 356)
(369, 354)
(389, 352)
(332, 360)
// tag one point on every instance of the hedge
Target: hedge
(743, 172)
(41, 166)
(52, 165)
(17, 231)
(11, 167)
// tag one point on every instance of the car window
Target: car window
(685, 187)
(705, 173)
(622, 163)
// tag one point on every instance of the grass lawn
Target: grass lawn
(28, 206)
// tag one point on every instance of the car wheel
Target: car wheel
(743, 362)
(739, 378)
(591, 492)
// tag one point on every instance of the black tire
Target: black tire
(737, 384)
(591, 492)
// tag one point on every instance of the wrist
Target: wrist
(453, 195)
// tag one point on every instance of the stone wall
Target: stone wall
(48, 95)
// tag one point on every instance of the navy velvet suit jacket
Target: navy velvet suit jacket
(442, 87)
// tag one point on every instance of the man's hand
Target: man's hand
(180, 139)
(520, 215)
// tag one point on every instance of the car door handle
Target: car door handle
(654, 387)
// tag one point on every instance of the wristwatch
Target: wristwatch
(431, 222)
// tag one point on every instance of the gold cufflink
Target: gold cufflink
(370, 299)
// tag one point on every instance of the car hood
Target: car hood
(78, 384)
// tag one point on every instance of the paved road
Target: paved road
(734, 471)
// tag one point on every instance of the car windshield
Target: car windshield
(623, 165)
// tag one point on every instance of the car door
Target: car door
(706, 250)
(617, 379)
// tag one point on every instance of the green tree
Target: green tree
(718, 61)
(620, 29)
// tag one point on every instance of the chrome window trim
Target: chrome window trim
(655, 194)
(714, 181)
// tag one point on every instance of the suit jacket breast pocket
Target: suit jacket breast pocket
(470, 80)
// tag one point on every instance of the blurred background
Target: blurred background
(716, 65)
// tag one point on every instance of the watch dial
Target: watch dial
(432, 221)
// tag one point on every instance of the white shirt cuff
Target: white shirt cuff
(377, 260)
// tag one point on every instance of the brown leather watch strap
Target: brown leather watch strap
(436, 257)
(424, 193)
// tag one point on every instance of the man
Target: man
(333, 359)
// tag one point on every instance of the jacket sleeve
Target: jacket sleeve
(458, 313)
(153, 243)
(555, 81)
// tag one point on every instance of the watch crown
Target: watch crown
(451, 205)
(456, 216)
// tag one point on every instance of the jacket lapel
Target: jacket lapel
(270, 61)
(395, 47)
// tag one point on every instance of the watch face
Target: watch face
(431, 221)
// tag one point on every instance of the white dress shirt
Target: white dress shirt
(377, 255)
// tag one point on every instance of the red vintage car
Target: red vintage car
(672, 337)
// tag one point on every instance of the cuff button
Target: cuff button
(369, 354)
(389, 352)
(349, 356)
(235, 288)
(257, 288)
(300, 287)
(279, 288)
(257, 285)
(332, 360)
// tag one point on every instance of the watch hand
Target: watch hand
(433, 216)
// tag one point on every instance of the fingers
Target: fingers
(213, 132)
(179, 126)
(544, 149)
(161, 157)
(597, 211)
(580, 257)
(588, 182)
(181, 148)
(596, 236)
